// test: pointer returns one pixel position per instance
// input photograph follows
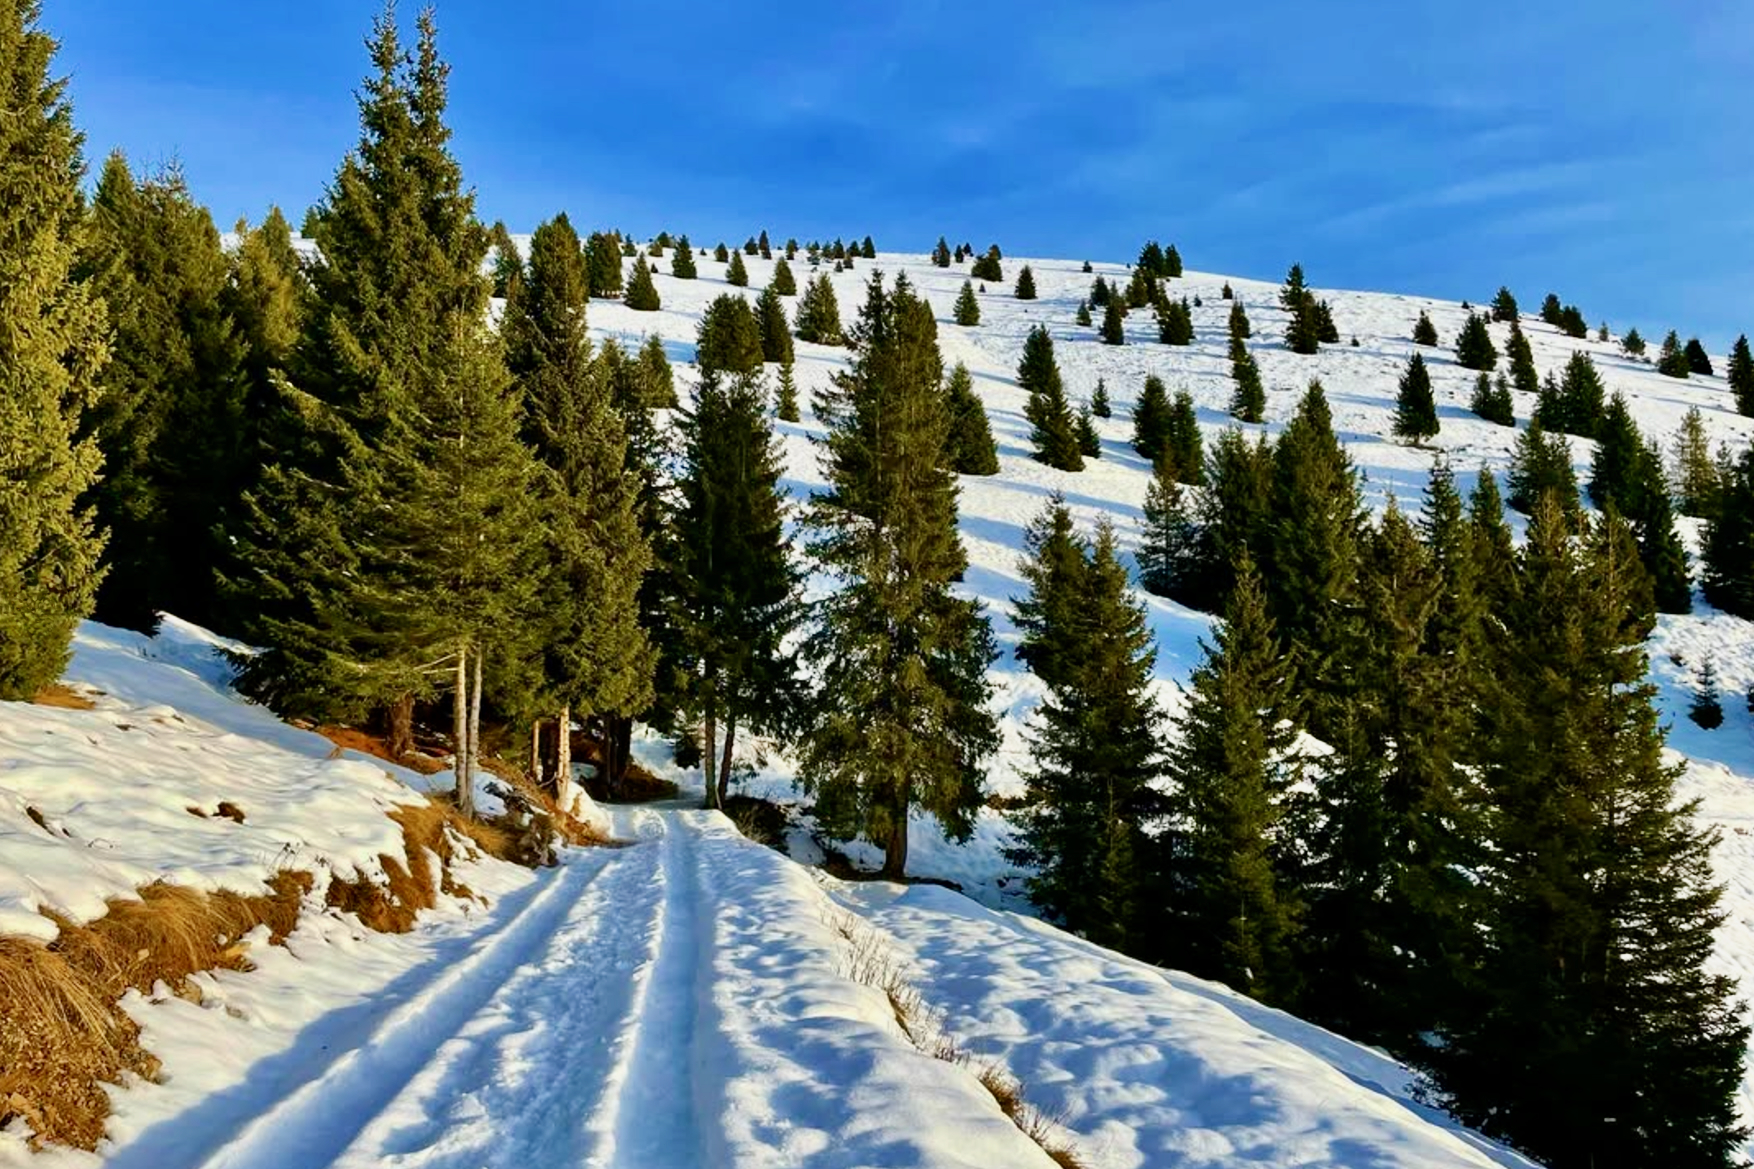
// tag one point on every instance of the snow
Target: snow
(684, 1000)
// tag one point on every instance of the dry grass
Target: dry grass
(354, 739)
(869, 962)
(62, 1034)
(762, 821)
(62, 697)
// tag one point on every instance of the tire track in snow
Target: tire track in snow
(316, 1122)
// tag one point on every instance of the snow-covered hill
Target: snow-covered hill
(690, 999)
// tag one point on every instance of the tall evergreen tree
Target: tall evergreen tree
(1727, 545)
(603, 263)
(1053, 430)
(1099, 400)
(941, 253)
(1540, 464)
(1597, 1037)
(1055, 560)
(736, 275)
(786, 394)
(1151, 420)
(1672, 360)
(1234, 515)
(776, 331)
(901, 719)
(818, 316)
(642, 294)
(1169, 552)
(1089, 441)
(1698, 361)
(1172, 262)
(987, 267)
(1617, 467)
(1095, 752)
(508, 262)
(52, 355)
(658, 379)
(1504, 306)
(1424, 332)
(1114, 323)
(1633, 343)
(1240, 329)
(1100, 293)
(783, 282)
(1183, 444)
(732, 584)
(682, 264)
(1415, 408)
(730, 337)
(1474, 347)
(1492, 400)
(1082, 316)
(1175, 322)
(969, 447)
(1230, 912)
(968, 309)
(1694, 473)
(1489, 540)
(1580, 395)
(763, 247)
(1248, 401)
(1741, 376)
(1150, 259)
(868, 248)
(1025, 284)
(1522, 361)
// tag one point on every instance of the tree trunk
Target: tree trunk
(460, 736)
(725, 760)
(617, 749)
(895, 849)
(563, 790)
(475, 727)
(709, 756)
(536, 751)
(402, 727)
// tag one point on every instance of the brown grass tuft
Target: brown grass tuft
(230, 811)
(354, 739)
(62, 697)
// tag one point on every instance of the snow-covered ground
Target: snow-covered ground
(684, 1000)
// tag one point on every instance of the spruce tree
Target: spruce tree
(1100, 293)
(1424, 332)
(1474, 347)
(1025, 284)
(791, 249)
(776, 331)
(783, 281)
(595, 658)
(900, 721)
(969, 448)
(786, 394)
(1707, 708)
(1114, 328)
(1597, 1036)
(1150, 259)
(1233, 515)
(1226, 292)
(1240, 329)
(941, 253)
(1489, 540)
(1540, 464)
(1170, 548)
(1741, 376)
(1248, 401)
(1099, 400)
(1053, 430)
(1572, 324)
(1694, 473)
(1727, 544)
(642, 294)
(750, 247)
(1082, 316)
(763, 247)
(1172, 262)
(1230, 913)
(968, 309)
(721, 253)
(1616, 469)
(736, 275)
(818, 316)
(1580, 396)
(1151, 420)
(1095, 754)
(987, 267)
(1141, 290)
(1415, 408)
(733, 586)
(682, 260)
(1652, 517)
(1522, 361)
(1633, 343)
(1055, 560)
(508, 264)
(603, 264)
(656, 375)
(1504, 306)
(730, 337)
(1492, 400)
(1183, 444)
(1089, 441)
(1175, 322)
(868, 248)
(1672, 360)
(52, 353)
(1697, 360)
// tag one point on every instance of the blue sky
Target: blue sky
(1598, 148)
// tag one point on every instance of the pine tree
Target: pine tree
(1184, 446)
(1522, 361)
(1089, 441)
(968, 309)
(1293, 293)
(1616, 469)
(941, 253)
(1694, 473)
(1706, 709)
(1572, 324)
(1175, 322)
(1141, 289)
(1474, 347)
(1652, 518)
(658, 380)
(736, 275)
(1504, 306)
(682, 260)
(1597, 1037)
(1150, 259)
(1633, 343)
(1082, 316)
(1100, 293)
(1540, 465)
(1025, 284)
(1226, 293)
(1114, 329)
(730, 337)
(791, 249)
(987, 267)
(1099, 400)
(1424, 332)
(1492, 400)
(1172, 262)
(969, 449)
(1240, 329)
(594, 656)
(1415, 408)
(734, 589)
(1727, 545)
(786, 394)
(1672, 360)
(1326, 331)
(1054, 565)
(52, 354)
(603, 263)
(1248, 401)
(1053, 430)
(776, 331)
(642, 294)
(868, 248)
(1580, 395)
(1741, 376)
(750, 247)
(783, 281)
(900, 721)
(1489, 541)
(818, 316)
(1151, 420)
(1697, 360)
(508, 264)
(1169, 552)
(1230, 914)
(1093, 743)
